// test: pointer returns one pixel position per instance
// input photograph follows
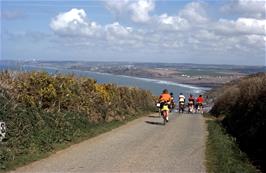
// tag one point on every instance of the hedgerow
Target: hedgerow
(42, 110)
(244, 105)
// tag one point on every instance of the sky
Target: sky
(170, 31)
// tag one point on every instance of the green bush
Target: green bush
(42, 111)
(244, 106)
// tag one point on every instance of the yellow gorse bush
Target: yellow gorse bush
(56, 93)
(41, 110)
(101, 89)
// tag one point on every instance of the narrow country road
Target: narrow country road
(143, 145)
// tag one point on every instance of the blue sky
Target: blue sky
(212, 32)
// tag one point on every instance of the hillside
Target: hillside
(242, 105)
(43, 111)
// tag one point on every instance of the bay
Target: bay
(153, 85)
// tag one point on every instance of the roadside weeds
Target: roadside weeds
(92, 131)
(222, 152)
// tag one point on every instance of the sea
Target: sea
(153, 85)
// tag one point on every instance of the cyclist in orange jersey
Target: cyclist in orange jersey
(165, 98)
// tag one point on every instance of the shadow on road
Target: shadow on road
(154, 116)
(154, 123)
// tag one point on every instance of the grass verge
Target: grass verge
(92, 131)
(223, 154)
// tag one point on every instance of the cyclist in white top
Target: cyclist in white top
(181, 101)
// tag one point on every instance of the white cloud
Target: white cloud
(190, 31)
(138, 10)
(251, 26)
(117, 29)
(74, 22)
(192, 16)
(248, 8)
(141, 10)
(63, 20)
(194, 12)
(255, 40)
(205, 35)
(118, 34)
(117, 6)
(242, 26)
(172, 22)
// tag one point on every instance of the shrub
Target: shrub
(244, 104)
(41, 110)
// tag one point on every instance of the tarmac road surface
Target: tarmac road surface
(143, 145)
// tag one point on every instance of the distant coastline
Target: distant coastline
(138, 73)
(196, 75)
(23, 67)
(155, 85)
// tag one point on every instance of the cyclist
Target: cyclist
(165, 98)
(172, 103)
(200, 101)
(191, 103)
(181, 101)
